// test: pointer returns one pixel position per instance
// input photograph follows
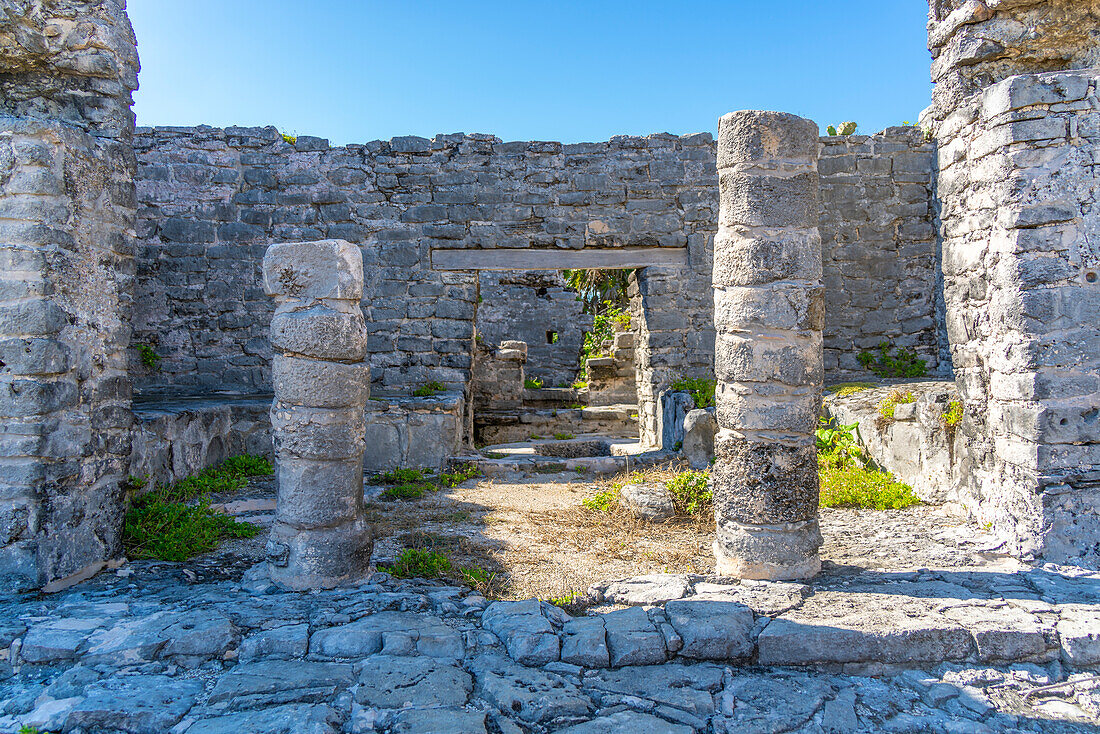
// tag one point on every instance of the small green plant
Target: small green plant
(533, 383)
(678, 446)
(903, 363)
(887, 405)
(580, 385)
(290, 138)
(844, 128)
(400, 476)
(576, 406)
(838, 445)
(534, 437)
(419, 562)
(691, 492)
(248, 465)
(563, 436)
(844, 389)
(565, 600)
(407, 491)
(604, 501)
(429, 389)
(148, 356)
(860, 486)
(954, 414)
(460, 474)
(495, 455)
(700, 388)
(133, 484)
(604, 325)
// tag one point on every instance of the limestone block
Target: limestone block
(755, 200)
(699, 429)
(320, 384)
(317, 433)
(321, 332)
(778, 306)
(584, 643)
(712, 630)
(768, 482)
(632, 639)
(755, 357)
(319, 493)
(651, 501)
(750, 136)
(788, 410)
(314, 270)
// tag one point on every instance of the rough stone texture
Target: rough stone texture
(878, 241)
(1015, 112)
(611, 378)
(405, 431)
(67, 206)
(535, 308)
(768, 357)
(320, 537)
(698, 442)
(916, 446)
(651, 501)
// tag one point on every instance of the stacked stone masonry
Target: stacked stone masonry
(320, 538)
(769, 313)
(67, 204)
(1017, 116)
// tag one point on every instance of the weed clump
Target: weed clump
(411, 484)
(177, 522)
(953, 415)
(532, 383)
(848, 476)
(691, 492)
(428, 389)
(150, 360)
(700, 388)
(844, 389)
(887, 405)
(902, 363)
(431, 564)
(604, 501)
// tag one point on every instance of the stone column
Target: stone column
(768, 313)
(320, 538)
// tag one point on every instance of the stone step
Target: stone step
(589, 465)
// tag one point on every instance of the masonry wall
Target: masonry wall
(66, 278)
(1017, 117)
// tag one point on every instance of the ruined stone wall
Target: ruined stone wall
(529, 306)
(1017, 116)
(879, 248)
(67, 71)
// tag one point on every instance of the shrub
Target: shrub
(420, 562)
(604, 501)
(700, 388)
(532, 383)
(954, 414)
(148, 356)
(895, 398)
(429, 389)
(400, 476)
(903, 363)
(691, 492)
(837, 444)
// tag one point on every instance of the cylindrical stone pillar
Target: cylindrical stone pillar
(320, 538)
(768, 313)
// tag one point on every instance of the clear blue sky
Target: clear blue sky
(569, 70)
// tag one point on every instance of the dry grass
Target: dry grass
(553, 552)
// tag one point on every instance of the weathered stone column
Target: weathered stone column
(320, 538)
(768, 312)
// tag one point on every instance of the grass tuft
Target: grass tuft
(844, 389)
(700, 389)
(428, 389)
(895, 398)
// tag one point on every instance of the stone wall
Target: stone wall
(879, 248)
(1017, 117)
(536, 308)
(66, 278)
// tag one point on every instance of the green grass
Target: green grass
(563, 436)
(461, 473)
(407, 491)
(176, 522)
(428, 389)
(401, 476)
(533, 383)
(411, 484)
(431, 564)
(844, 389)
(700, 388)
(690, 492)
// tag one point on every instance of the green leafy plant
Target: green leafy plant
(597, 287)
(604, 501)
(691, 492)
(565, 600)
(148, 356)
(700, 388)
(838, 445)
(407, 491)
(887, 405)
(533, 383)
(902, 363)
(580, 385)
(400, 476)
(854, 485)
(563, 436)
(419, 562)
(290, 138)
(605, 324)
(429, 389)
(954, 414)
(844, 128)
(459, 474)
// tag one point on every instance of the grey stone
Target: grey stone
(632, 638)
(527, 693)
(775, 704)
(647, 500)
(321, 332)
(584, 643)
(386, 681)
(138, 704)
(440, 721)
(526, 633)
(627, 722)
(427, 636)
(653, 589)
(275, 682)
(289, 719)
(698, 445)
(320, 384)
(57, 640)
(687, 688)
(712, 630)
(289, 641)
(1079, 634)
(314, 270)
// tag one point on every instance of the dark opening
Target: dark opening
(551, 337)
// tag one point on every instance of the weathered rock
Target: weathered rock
(776, 704)
(526, 633)
(440, 721)
(138, 704)
(531, 695)
(653, 589)
(289, 719)
(687, 688)
(392, 682)
(712, 630)
(57, 640)
(400, 632)
(650, 500)
(627, 722)
(1079, 633)
(699, 429)
(584, 643)
(276, 682)
(290, 641)
(632, 639)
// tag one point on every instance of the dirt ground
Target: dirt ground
(535, 539)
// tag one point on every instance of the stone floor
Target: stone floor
(918, 623)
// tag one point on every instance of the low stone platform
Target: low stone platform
(207, 647)
(511, 426)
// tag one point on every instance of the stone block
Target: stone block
(712, 630)
(743, 258)
(584, 643)
(632, 639)
(651, 501)
(756, 200)
(752, 136)
(320, 384)
(321, 332)
(314, 270)
(317, 433)
(765, 483)
(319, 558)
(782, 552)
(699, 430)
(319, 493)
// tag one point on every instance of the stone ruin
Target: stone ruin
(768, 259)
